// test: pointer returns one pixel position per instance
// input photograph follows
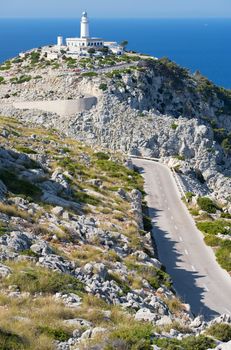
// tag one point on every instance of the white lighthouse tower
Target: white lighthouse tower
(84, 26)
(85, 42)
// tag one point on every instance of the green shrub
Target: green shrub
(212, 240)
(22, 79)
(225, 215)
(26, 150)
(214, 227)
(102, 156)
(220, 331)
(10, 341)
(189, 195)
(226, 145)
(29, 252)
(136, 336)
(118, 171)
(89, 74)
(57, 334)
(155, 277)
(86, 198)
(174, 126)
(18, 186)
(34, 57)
(1, 80)
(207, 204)
(189, 343)
(5, 66)
(194, 212)
(223, 255)
(3, 228)
(17, 60)
(35, 279)
(103, 87)
(177, 156)
(123, 285)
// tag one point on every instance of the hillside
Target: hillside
(78, 268)
(148, 107)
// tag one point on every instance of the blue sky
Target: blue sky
(116, 8)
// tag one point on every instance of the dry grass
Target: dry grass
(87, 253)
(26, 317)
(175, 305)
(12, 210)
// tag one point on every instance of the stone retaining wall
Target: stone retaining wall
(61, 107)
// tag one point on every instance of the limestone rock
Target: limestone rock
(4, 271)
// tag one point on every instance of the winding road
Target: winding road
(197, 277)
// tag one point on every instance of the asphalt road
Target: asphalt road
(197, 277)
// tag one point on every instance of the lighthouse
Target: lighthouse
(84, 26)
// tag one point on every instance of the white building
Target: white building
(85, 41)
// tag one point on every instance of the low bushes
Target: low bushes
(225, 215)
(57, 334)
(34, 279)
(3, 228)
(174, 126)
(189, 195)
(155, 277)
(12, 210)
(212, 240)
(214, 227)
(102, 156)
(136, 336)
(220, 331)
(22, 79)
(103, 87)
(89, 74)
(26, 150)
(18, 186)
(118, 171)
(189, 343)
(223, 255)
(10, 341)
(207, 204)
(223, 247)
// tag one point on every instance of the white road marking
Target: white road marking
(181, 239)
(193, 268)
(186, 252)
(168, 208)
(171, 217)
(165, 200)
(176, 228)
(206, 288)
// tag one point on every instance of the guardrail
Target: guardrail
(145, 158)
(178, 183)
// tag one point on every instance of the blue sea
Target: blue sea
(197, 44)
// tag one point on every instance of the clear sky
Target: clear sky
(116, 8)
